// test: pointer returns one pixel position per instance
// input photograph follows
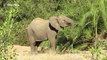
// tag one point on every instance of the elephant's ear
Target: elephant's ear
(61, 21)
(54, 23)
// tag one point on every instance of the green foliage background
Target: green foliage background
(90, 17)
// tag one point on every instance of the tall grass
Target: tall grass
(6, 38)
(97, 10)
(91, 20)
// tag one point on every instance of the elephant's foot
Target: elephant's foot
(52, 51)
(33, 53)
(42, 49)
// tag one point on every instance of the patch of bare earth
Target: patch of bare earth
(23, 54)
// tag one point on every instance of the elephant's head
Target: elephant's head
(60, 22)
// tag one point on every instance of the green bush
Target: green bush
(6, 38)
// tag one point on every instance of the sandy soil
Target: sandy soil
(23, 54)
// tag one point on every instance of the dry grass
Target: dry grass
(23, 54)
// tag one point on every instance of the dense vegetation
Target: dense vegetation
(89, 32)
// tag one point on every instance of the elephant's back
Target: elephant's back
(39, 21)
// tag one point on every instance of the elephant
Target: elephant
(40, 29)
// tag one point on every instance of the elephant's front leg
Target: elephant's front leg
(52, 39)
(52, 43)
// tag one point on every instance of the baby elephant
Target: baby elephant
(40, 29)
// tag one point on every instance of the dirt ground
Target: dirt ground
(23, 53)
